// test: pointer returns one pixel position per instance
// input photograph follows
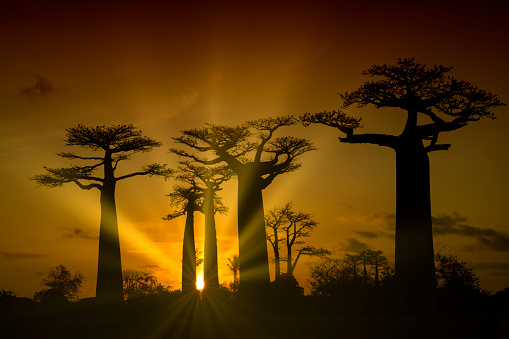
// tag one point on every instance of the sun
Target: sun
(200, 284)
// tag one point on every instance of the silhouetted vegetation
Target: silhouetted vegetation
(116, 144)
(447, 104)
(60, 285)
(284, 225)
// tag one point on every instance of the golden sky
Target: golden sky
(170, 67)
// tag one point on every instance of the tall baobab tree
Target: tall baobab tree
(294, 226)
(187, 200)
(275, 219)
(256, 159)
(447, 104)
(207, 180)
(115, 143)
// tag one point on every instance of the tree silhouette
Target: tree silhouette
(233, 266)
(256, 159)
(447, 104)
(293, 226)
(275, 219)
(116, 143)
(60, 285)
(188, 200)
(207, 180)
(138, 285)
(300, 225)
(342, 276)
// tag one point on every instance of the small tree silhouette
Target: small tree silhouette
(60, 285)
(256, 160)
(233, 266)
(116, 143)
(275, 220)
(293, 226)
(448, 104)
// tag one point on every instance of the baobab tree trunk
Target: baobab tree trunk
(289, 266)
(253, 257)
(189, 254)
(109, 287)
(277, 262)
(210, 269)
(415, 270)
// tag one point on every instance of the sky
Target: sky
(166, 68)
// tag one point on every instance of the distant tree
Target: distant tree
(139, 285)
(447, 104)
(116, 143)
(233, 266)
(379, 262)
(6, 294)
(333, 277)
(187, 200)
(293, 226)
(275, 220)
(300, 225)
(60, 285)
(454, 274)
(256, 159)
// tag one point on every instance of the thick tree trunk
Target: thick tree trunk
(189, 254)
(210, 269)
(415, 271)
(253, 256)
(109, 287)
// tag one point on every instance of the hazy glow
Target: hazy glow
(200, 284)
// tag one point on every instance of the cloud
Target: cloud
(78, 233)
(455, 224)
(353, 245)
(149, 266)
(17, 255)
(373, 235)
(42, 88)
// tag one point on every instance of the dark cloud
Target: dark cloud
(487, 238)
(353, 245)
(80, 233)
(42, 88)
(373, 235)
(16, 255)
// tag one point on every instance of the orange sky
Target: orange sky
(172, 67)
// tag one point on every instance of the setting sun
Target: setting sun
(200, 284)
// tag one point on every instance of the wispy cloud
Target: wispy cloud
(79, 233)
(373, 235)
(149, 266)
(455, 224)
(41, 88)
(19, 255)
(352, 245)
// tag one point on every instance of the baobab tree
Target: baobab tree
(447, 104)
(207, 180)
(293, 226)
(115, 143)
(275, 219)
(187, 200)
(256, 159)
